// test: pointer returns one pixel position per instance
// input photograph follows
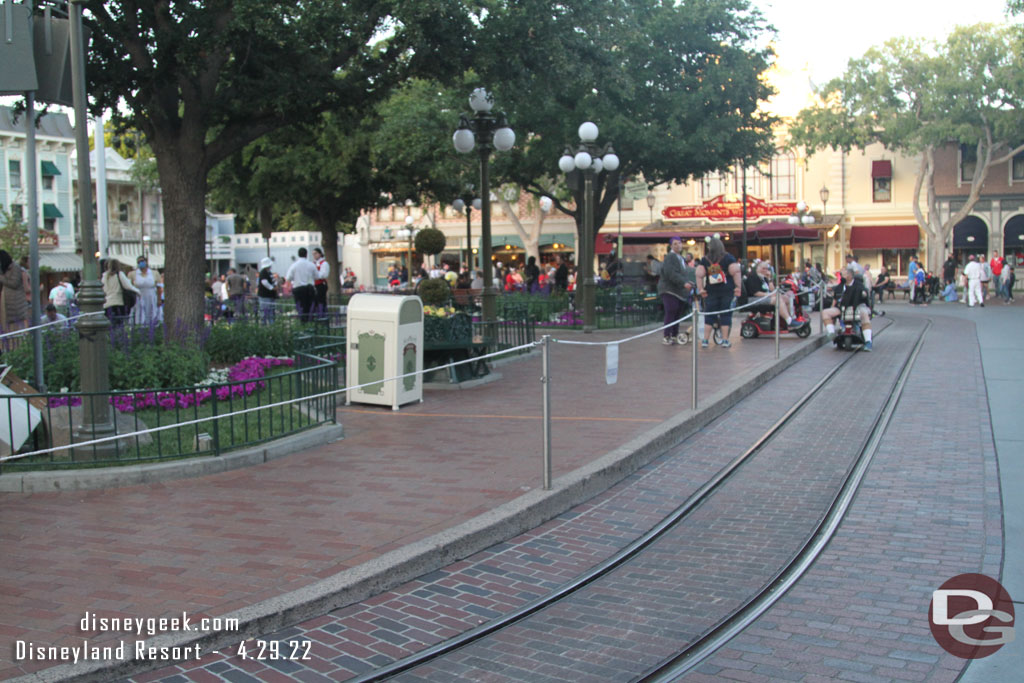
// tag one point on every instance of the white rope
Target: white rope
(268, 406)
(40, 326)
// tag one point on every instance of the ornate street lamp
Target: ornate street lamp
(589, 160)
(466, 204)
(650, 204)
(486, 132)
(410, 233)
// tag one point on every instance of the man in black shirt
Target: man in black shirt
(949, 270)
(849, 294)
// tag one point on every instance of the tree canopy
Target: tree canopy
(914, 97)
(204, 79)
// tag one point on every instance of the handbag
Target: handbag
(126, 294)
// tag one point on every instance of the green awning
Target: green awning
(567, 239)
(51, 211)
(50, 169)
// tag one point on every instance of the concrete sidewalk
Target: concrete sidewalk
(342, 521)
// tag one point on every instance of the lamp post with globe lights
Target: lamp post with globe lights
(486, 132)
(590, 160)
(465, 205)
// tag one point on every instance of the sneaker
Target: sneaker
(681, 339)
(703, 343)
(866, 347)
(796, 325)
(667, 341)
(726, 344)
(832, 335)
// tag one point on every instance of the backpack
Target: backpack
(716, 276)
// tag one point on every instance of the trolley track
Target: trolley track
(736, 619)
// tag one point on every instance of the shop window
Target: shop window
(122, 213)
(47, 182)
(1017, 167)
(968, 162)
(50, 224)
(881, 189)
(897, 260)
(783, 177)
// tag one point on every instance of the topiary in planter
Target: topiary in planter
(434, 292)
(430, 241)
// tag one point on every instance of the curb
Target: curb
(133, 475)
(404, 564)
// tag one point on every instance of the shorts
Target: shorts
(718, 301)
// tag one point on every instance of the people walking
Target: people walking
(266, 290)
(302, 274)
(718, 283)
(117, 304)
(973, 273)
(675, 288)
(323, 271)
(147, 281)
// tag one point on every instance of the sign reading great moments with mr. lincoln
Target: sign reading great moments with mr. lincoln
(721, 209)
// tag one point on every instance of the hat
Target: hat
(266, 262)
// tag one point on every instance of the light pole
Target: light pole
(97, 418)
(823, 193)
(466, 204)
(493, 133)
(589, 160)
(410, 231)
(650, 204)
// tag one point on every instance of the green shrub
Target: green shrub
(434, 292)
(430, 241)
(231, 343)
(148, 366)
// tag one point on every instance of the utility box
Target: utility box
(385, 340)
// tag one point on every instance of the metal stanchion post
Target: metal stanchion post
(821, 306)
(693, 359)
(546, 406)
(778, 301)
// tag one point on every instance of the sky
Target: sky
(817, 39)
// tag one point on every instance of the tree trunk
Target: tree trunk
(329, 240)
(183, 182)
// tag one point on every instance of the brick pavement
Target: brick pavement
(929, 509)
(460, 596)
(212, 545)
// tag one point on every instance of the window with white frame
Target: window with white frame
(1017, 167)
(783, 177)
(968, 162)
(714, 184)
(14, 173)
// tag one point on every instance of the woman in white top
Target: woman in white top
(115, 284)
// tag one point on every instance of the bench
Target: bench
(444, 353)
(466, 297)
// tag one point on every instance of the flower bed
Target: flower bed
(247, 372)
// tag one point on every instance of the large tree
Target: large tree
(675, 85)
(202, 79)
(915, 97)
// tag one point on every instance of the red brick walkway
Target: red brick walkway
(216, 544)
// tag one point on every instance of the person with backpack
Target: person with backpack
(118, 293)
(719, 281)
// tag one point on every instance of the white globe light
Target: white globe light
(546, 204)
(597, 164)
(478, 204)
(793, 219)
(481, 100)
(464, 140)
(611, 162)
(459, 205)
(408, 220)
(808, 219)
(583, 160)
(566, 163)
(504, 138)
(588, 131)
(801, 206)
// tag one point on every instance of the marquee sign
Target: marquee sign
(721, 209)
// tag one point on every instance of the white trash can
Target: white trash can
(385, 340)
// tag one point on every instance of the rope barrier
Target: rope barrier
(92, 442)
(40, 326)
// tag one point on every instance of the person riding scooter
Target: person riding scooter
(849, 294)
(758, 285)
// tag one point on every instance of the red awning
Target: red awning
(881, 169)
(884, 237)
(604, 244)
